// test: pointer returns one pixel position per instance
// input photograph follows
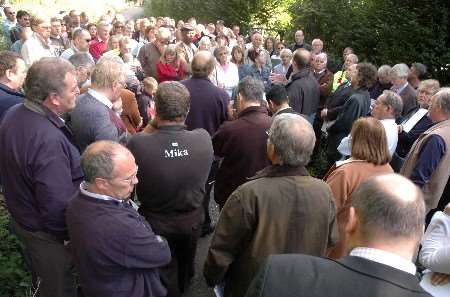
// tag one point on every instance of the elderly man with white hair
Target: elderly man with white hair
(285, 193)
(400, 85)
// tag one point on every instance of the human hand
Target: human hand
(323, 113)
(447, 209)
(277, 78)
(440, 279)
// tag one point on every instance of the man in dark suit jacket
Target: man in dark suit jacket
(12, 76)
(278, 101)
(385, 226)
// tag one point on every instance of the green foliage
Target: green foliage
(382, 31)
(266, 14)
(15, 280)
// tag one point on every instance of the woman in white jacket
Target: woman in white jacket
(225, 74)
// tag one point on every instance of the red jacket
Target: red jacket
(167, 72)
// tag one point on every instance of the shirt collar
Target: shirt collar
(100, 97)
(399, 90)
(385, 258)
(279, 110)
(84, 191)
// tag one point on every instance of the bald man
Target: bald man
(208, 110)
(386, 224)
(124, 253)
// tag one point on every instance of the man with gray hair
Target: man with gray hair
(116, 252)
(428, 162)
(150, 53)
(83, 64)
(400, 85)
(40, 171)
(387, 109)
(386, 223)
(383, 82)
(280, 210)
(95, 117)
(241, 143)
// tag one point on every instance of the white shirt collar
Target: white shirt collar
(84, 191)
(100, 97)
(385, 258)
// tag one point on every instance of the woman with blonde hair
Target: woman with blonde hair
(170, 67)
(370, 156)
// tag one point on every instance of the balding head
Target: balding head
(99, 158)
(389, 208)
(202, 64)
(301, 59)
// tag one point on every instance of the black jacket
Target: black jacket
(335, 102)
(358, 105)
(301, 275)
(304, 92)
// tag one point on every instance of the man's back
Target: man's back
(208, 105)
(91, 121)
(115, 250)
(282, 211)
(242, 145)
(8, 98)
(174, 174)
(302, 275)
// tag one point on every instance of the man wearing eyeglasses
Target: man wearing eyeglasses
(80, 43)
(115, 250)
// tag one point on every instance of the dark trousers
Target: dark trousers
(208, 188)
(50, 262)
(182, 233)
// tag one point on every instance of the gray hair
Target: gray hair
(391, 204)
(251, 89)
(204, 41)
(286, 52)
(353, 57)
(78, 32)
(384, 71)
(293, 138)
(46, 76)
(393, 100)
(443, 100)
(430, 85)
(163, 33)
(400, 70)
(108, 71)
(81, 59)
(97, 161)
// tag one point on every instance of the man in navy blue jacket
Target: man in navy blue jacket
(40, 170)
(12, 76)
(115, 250)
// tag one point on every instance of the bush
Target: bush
(15, 280)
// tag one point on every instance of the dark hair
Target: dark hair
(367, 75)
(22, 13)
(380, 206)
(8, 60)
(172, 101)
(97, 163)
(277, 94)
(253, 53)
(421, 70)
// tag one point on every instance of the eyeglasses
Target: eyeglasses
(129, 180)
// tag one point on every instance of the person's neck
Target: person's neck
(7, 83)
(55, 36)
(281, 107)
(52, 108)
(439, 118)
(161, 123)
(102, 91)
(245, 105)
(400, 246)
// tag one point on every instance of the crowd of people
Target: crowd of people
(115, 134)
